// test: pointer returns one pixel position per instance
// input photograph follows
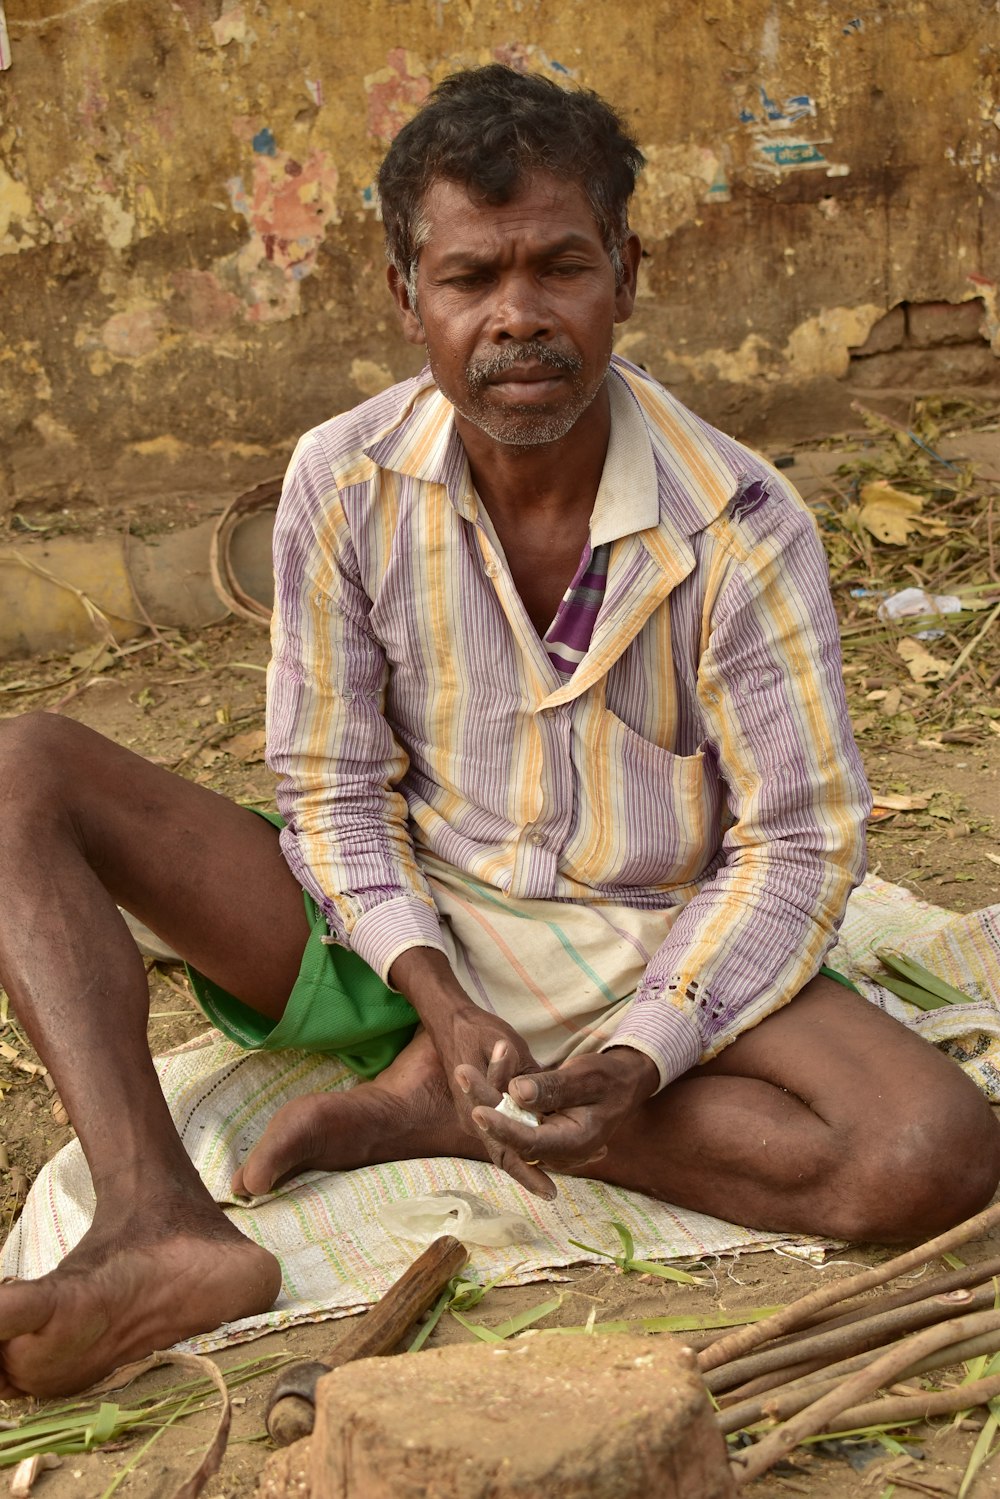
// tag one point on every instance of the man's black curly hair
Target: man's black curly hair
(489, 128)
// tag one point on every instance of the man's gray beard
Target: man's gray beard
(523, 426)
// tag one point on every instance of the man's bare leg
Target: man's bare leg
(829, 1118)
(85, 825)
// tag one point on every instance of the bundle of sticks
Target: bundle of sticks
(814, 1366)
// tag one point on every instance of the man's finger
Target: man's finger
(562, 1143)
(554, 1091)
(526, 1173)
(475, 1087)
(503, 1061)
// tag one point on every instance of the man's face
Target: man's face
(516, 305)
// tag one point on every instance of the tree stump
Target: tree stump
(567, 1417)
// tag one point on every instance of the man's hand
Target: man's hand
(582, 1103)
(466, 1039)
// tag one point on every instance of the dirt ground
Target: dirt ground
(197, 705)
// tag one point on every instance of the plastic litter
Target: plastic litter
(916, 601)
(514, 1111)
(461, 1214)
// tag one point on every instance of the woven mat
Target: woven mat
(337, 1259)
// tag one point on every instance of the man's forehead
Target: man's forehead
(454, 219)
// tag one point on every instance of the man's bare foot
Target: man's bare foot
(407, 1112)
(130, 1285)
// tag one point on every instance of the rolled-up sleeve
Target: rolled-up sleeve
(770, 691)
(346, 837)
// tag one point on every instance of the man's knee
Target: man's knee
(931, 1165)
(39, 762)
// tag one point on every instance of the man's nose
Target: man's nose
(521, 311)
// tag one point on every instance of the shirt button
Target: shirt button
(537, 839)
(490, 569)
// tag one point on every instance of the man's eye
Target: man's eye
(468, 282)
(566, 268)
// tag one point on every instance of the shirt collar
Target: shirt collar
(664, 468)
(628, 497)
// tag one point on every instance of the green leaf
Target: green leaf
(705, 1323)
(912, 993)
(137, 1457)
(592, 1249)
(628, 1243)
(513, 1324)
(484, 1334)
(627, 1264)
(428, 1325)
(981, 1450)
(526, 1319)
(105, 1424)
(665, 1272)
(914, 973)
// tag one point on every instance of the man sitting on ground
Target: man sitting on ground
(568, 779)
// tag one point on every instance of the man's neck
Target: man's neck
(553, 480)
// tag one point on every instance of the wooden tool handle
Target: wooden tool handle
(405, 1302)
(381, 1329)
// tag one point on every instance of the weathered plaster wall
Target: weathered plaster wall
(190, 256)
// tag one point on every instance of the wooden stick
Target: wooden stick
(734, 1345)
(897, 1408)
(753, 1461)
(967, 652)
(786, 1400)
(922, 1290)
(797, 1368)
(292, 1410)
(854, 1337)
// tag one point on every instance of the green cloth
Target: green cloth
(338, 1005)
(831, 973)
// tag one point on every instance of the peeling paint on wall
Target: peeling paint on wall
(16, 211)
(822, 344)
(676, 182)
(232, 26)
(289, 205)
(778, 116)
(135, 333)
(394, 92)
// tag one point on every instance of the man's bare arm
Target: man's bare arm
(472, 1043)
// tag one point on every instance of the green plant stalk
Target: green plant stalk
(706, 1323)
(981, 1450)
(137, 1457)
(513, 1325)
(431, 1321)
(645, 1267)
(73, 1427)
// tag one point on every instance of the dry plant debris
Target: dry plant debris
(898, 515)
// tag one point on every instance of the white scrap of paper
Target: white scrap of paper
(4, 42)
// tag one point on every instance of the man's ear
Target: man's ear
(413, 329)
(625, 295)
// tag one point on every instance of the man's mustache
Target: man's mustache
(531, 351)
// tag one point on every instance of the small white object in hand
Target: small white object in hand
(514, 1111)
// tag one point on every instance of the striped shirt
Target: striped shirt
(697, 756)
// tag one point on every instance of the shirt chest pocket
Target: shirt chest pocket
(647, 818)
